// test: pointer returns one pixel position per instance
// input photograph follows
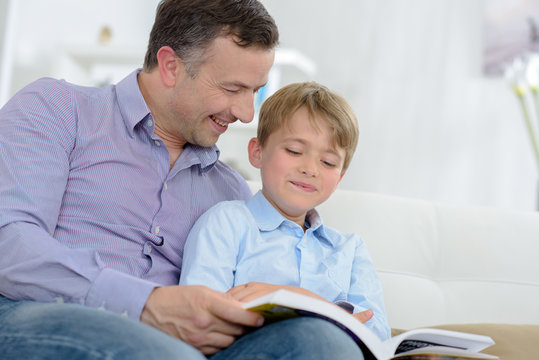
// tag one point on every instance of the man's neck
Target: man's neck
(148, 84)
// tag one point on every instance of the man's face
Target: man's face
(221, 92)
(300, 168)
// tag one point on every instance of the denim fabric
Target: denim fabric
(32, 331)
(294, 339)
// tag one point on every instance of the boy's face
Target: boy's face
(300, 168)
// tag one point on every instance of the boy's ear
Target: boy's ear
(169, 65)
(255, 155)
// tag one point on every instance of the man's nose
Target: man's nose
(243, 107)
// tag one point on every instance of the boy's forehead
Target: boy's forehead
(291, 131)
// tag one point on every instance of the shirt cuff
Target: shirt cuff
(346, 306)
(120, 293)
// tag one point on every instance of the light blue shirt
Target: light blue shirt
(237, 242)
(89, 211)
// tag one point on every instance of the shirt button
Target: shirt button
(149, 249)
(166, 187)
(149, 123)
(157, 230)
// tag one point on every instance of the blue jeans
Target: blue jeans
(31, 330)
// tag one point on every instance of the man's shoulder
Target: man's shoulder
(60, 91)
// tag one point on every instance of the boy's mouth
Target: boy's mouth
(303, 186)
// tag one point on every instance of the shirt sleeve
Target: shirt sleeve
(37, 134)
(213, 245)
(366, 291)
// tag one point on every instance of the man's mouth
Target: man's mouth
(218, 122)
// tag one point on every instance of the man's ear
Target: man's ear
(255, 153)
(169, 65)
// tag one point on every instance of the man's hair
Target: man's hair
(319, 101)
(190, 26)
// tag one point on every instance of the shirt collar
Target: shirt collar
(205, 156)
(131, 102)
(268, 218)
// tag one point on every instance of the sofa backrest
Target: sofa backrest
(442, 264)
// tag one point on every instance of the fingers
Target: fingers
(252, 290)
(207, 319)
(364, 316)
(233, 315)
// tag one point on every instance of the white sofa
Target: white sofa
(443, 264)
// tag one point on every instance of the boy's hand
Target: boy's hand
(253, 290)
(206, 319)
(364, 316)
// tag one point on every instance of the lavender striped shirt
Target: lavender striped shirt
(89, 211)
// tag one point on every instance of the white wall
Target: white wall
(432, 126)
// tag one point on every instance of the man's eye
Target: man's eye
(233, 91)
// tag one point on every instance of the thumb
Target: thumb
(364, 316)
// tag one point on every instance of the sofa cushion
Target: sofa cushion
(513, 342)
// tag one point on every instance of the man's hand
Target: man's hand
(206, 319)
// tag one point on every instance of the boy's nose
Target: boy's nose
(309, 167)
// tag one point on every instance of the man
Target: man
(99, 188)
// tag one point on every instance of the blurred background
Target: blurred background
(438, 118)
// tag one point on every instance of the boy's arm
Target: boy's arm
(366, 291)
(213, 245)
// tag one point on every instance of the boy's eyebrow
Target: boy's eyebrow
(331, 150)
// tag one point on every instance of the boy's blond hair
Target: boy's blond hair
(318, 100)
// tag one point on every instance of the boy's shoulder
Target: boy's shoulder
(228, 204)
(338, 238)
(228, 209)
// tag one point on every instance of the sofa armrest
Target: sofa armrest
(513, 342)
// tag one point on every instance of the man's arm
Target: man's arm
(38, 131)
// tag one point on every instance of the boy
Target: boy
(305, 141)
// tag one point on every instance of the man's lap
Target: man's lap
(66, 331)
(294, 339)
(56, 331)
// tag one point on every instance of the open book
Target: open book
(413, 344)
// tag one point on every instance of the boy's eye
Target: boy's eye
(293, 152)
(329, 164)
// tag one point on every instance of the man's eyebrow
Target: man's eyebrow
(241, 85)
